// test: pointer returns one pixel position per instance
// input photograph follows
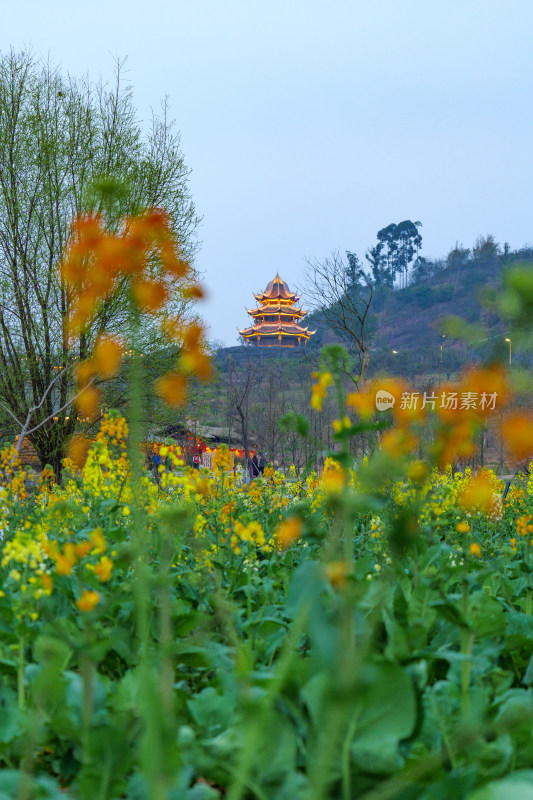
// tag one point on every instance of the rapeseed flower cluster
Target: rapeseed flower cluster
(524, 525)
(28, 571)
(222, 459)
(251, 533)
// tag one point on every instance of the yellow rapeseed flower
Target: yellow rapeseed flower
(98, 540)
(339, 425)
(334, 476)
(462, 527)
(88, 600)
(103, 569)
(319, 389)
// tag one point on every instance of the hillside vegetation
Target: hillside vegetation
(409, 320)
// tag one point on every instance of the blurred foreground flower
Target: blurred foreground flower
(88, 600)
(336, 573)
(107, 354)
(319, 389)
(517, 432)
(334, 477)
(479, 494)
(290, 529)
(172, 388)
(103, 569)
(88, 401)
(77, 450)
(143, 255)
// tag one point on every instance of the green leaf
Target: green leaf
(212, 711)
(110, 758)
(528, 677)
(190, 655)
(51, 651)
(278, 751)
(295, 787)
(41, 788)
(519, 630)
(450, 613)
(11, 722)
(504, 790)
(386, 714)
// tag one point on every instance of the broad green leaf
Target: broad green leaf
(385, 714)
(507, 789)
(212, 711)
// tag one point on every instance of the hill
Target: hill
(404, 324)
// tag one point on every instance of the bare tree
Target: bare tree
(341, 291)
(58, 138)
(240, 379)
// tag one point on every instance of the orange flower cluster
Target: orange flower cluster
(96, 262)
(12, 475)
(77, 450)
(524, 525)
(459, 426)
(289, 531)
(479, 494)
(65, 559)
(145, 256)
(458, 412)
(88, 600)
(104, 362)
(517, 431)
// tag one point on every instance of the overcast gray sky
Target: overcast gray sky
(311, 124)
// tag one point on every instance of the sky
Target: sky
(311, 124)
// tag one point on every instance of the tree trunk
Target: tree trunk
(364, 368)
(50, 449)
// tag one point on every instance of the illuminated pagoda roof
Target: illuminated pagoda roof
(279, 308)
(276, 318)
(276, 289)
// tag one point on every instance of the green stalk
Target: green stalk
(165, 625)
(256, 731)
(20, 675)
(249, 602)
(152, 749)
(327, 745)
(467, 643)
(529, 593)
(87, 677)
(346, 773)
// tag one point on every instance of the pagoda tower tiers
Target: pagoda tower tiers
(277, 320)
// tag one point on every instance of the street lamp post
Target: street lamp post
(508, 340)
(443, 336)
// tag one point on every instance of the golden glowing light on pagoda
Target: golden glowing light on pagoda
(277, 319)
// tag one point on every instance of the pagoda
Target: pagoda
(277, 320)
